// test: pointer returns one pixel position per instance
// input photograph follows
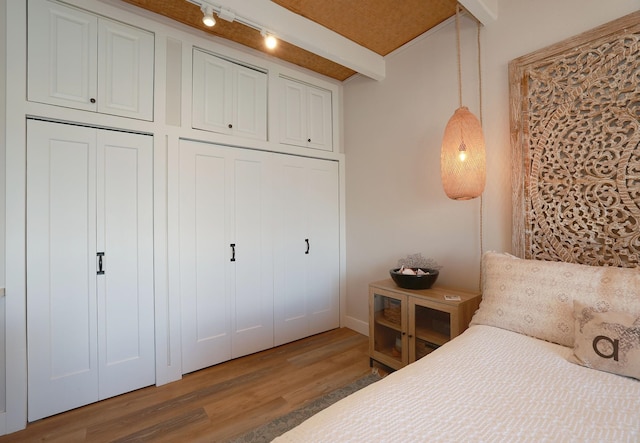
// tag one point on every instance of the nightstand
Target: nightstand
(407, 324)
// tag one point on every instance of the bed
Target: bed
(512, 376)
(553, 353)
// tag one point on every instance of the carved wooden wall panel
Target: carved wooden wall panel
(575, 133)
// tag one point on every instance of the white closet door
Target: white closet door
(226, 291)
(90, 336)
(125, 235)
(291, 304)
(323, 275)
(62, 55)
(307, 248)
(61, 268)
(205, 254)
(252, 318)
(125, 67)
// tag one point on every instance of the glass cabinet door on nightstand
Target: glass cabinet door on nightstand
(389, 342)
(429, 328)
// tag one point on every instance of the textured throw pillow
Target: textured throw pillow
(535, 297)
(607, 340)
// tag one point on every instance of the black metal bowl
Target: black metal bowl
(408, 281)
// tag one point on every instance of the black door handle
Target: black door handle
(307, 241)
(233, 251)
(100, 269)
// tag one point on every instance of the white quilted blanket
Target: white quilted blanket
(487, 385)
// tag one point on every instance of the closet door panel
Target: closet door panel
(205, 255)
(291, 260)
(125, 235)
(253, 269)
(62, 55)
(307, 248)
(324, 264)
(61, 284)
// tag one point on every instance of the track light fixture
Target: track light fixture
(208, 9)
(269, 40)
(207, 19)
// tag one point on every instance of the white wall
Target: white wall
(393, 131)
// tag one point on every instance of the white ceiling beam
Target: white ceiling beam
(308, 35)
(485, 11)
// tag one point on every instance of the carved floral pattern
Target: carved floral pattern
(582, 159)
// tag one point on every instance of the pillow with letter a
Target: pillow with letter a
(606, 340)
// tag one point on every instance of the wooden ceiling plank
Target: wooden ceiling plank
(380, 25)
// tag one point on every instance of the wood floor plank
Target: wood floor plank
(216, 403)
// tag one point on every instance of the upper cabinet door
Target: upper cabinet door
(212, 93)
(305, 115)
(62, 55)
(228, 98)
(79, 60)
(293, 102)
(125, 70)
(250, 103)
(319, 128)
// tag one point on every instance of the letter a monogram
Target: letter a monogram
(613, 343)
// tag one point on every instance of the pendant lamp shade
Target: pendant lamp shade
(463, 158)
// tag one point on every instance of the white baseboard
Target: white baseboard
(357, 325)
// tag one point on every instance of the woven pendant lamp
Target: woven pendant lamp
(463, 158)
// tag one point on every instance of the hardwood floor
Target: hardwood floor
(217, 403)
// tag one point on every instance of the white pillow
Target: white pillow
(607, 340)
(535, 297)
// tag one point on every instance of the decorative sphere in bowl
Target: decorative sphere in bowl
(422, 278)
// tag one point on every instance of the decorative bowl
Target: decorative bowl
(408, 281)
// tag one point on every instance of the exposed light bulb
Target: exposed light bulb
(208, 19)
(270, 41)
(462, 152)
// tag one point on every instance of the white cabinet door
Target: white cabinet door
(319, 127)
(250, 103)
(307, 248)
(212, 93)
(89, 336)
(79, 60)
(305, 115)
(228, 98)
(225, 254)
(125, 70)
(62, 55)
(293, 121)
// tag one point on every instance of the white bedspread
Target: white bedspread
(487, 385)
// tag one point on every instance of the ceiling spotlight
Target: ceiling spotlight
(269, 40)
(208, 19)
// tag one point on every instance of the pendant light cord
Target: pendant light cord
(480, 115)
(458, 52)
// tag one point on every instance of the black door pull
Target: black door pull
(233, 251)
(100, 269)
(307, 241)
